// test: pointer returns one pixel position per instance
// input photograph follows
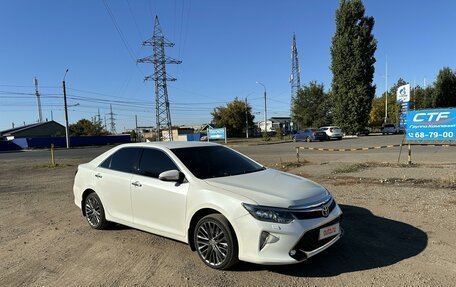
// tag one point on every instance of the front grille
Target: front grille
(314, 213)
(309, 241)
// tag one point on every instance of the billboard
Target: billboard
(403, 93)
(214, 134)
(431, 125)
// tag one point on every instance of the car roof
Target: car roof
(170, 144)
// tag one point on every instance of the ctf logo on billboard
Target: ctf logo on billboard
(403, 94)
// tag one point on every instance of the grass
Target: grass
(351, 168)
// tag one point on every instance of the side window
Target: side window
(106, 163)
(125, 160)
(154, 161)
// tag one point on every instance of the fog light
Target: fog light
(263, 239)
(266, 237)
(293, 252)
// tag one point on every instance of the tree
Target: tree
(310, 106)
(85, 127)
(445, 89)
(352, 54)
(422, 98)
(233, 117)
(377, 113)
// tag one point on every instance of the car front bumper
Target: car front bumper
(285, 243)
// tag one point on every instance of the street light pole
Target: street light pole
(265, 110)
(246, 120)
(67, 136)
(386, 90)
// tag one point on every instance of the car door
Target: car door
(113, 183)
(158, 205)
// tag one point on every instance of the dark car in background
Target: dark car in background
(310, 135)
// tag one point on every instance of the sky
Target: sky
(225, 48)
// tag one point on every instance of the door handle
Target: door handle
(98, 175)
(136, 183)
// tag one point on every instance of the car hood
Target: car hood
(272, 188)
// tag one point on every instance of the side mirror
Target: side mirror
(171, 175)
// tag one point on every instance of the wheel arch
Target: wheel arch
(200, 214)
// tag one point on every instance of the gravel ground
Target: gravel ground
(397, 233)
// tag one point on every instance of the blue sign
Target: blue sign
(431, 125)
(405, 107)
(214, 134)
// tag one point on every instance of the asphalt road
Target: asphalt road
(285, 152)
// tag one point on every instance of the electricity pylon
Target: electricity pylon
(295, 78)
(159, 42)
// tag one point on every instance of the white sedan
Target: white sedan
(226, 206)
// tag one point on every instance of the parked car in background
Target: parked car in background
(226, 206)
(310, 135)
(364, 132)
(389, 129)
(333, 132)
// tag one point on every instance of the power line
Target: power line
(122, 37)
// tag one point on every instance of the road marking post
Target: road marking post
(409, 159)
(52, 155)
(297, 153)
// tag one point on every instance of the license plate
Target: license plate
(329, 231)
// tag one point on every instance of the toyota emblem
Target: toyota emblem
(325, 211)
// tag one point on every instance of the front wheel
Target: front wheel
(215, 242)
(308, 139)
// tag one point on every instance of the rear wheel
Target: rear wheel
(94, 212)
(215, 242)
(308, 139)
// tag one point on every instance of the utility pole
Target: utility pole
(162, 113)
(265, 110)
(295, 77)
(40, 115)
(105, 125)
(386, 90)
(99, 117)
(246, 120)
(136, 127)
(67, 132)
(113, 125)
(52, 115)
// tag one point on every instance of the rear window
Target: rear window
(125, 160)
(389, 126)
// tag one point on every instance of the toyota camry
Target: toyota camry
(224, 205)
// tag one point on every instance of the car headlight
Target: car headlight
(269, 214)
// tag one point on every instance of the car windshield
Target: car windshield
(215, 161)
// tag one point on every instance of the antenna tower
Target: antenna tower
(295, 78)
(159, 42)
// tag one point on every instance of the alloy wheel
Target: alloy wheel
(212, 243)
(93, 211)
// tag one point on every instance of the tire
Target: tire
(294, 139)
(308, 139)
(94, 212)
(211, 231)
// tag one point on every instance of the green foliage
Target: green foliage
(233, 117)
(279, 133)
(377, 113)
(422, 98)
(445, 89)
(352, 54)
(310, 107)
(85, 127)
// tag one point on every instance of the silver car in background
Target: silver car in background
(333, 132)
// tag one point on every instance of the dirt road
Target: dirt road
(399, 233)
